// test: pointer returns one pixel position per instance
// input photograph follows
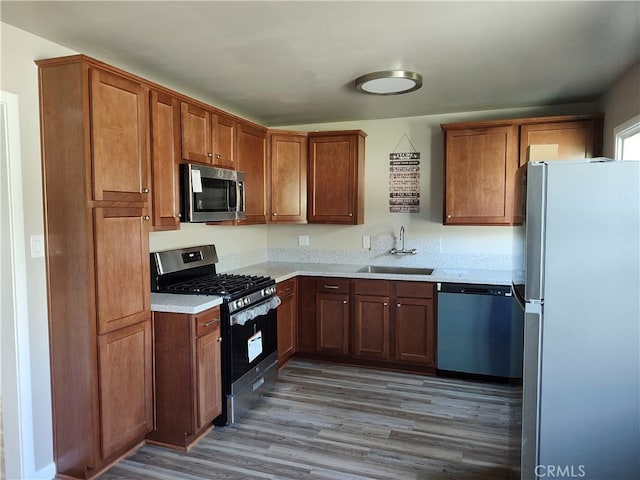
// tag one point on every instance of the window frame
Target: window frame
(623, 131)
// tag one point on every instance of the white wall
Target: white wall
(439, 246)
(19, 76)
(621, 103)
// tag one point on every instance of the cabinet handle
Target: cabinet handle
(274, 214)
(145, 190)
(351, 214)
(179, 215)
(344, 301)
(146, 217)
(331, 287)
(385, 304)
(398, 305)
(218, 155)
(219, 339)
(209, 154)
(449, 216)
(208, 324)
(285, 292)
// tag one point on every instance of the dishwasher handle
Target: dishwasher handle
(475, 289)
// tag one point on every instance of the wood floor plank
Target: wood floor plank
(333, 422)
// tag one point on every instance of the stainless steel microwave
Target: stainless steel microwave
(211, 194)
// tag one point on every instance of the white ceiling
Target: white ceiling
(294, 62)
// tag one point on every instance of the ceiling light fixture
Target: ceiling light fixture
(389, 82)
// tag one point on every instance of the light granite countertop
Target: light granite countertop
(284, 270)
(174, 303)
(280, 271)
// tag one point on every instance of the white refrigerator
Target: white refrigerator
(580, 287)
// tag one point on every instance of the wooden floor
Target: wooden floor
(326, 421)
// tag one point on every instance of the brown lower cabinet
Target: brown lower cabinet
(381, 323)
(188, 382)
(287, 320)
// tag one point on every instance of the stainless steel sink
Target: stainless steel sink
(396, 270)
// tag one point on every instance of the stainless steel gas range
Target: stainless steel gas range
(248, 321)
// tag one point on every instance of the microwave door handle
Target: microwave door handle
(240, 196)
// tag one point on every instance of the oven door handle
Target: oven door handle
(240, 318)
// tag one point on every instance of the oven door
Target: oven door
(253, 339)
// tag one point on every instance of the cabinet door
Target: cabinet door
(252, 160)
(195, 128)
(288, 178)
(332, 179)
(121, 242)
(480, 166)
(208, 373)
(332, 323)
(371, 327)
(287, 321)
(574, 139)
(119, 123)
(165, 155)
(306, 291)
(415, 330)
(125, 387)
(224, 141)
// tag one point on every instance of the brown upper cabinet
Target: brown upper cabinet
(119, 136)
(207, 136)
(575, 139)
(288, 153)
(252, 160)
(165, 159)
(336, 177)
(481, 160)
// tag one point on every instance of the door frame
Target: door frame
(15, 384)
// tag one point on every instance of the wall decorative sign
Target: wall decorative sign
(404, 181)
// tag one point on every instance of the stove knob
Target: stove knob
(238, 304)
(247, 301)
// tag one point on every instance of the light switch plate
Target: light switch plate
(37, 246)
(366, 241)
(303, 240)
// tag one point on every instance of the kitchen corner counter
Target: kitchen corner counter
(281, 271)
(174, 303)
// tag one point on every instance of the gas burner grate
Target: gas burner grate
(220, 284)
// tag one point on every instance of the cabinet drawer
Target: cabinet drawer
(286, 288)
(207, 321)
(371, 287)
(332, 285)
(414, 289)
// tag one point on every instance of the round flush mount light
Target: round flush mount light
(389, 82)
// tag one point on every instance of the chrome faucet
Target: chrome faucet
(395, 251)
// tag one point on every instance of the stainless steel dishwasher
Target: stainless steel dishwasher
(480, 331)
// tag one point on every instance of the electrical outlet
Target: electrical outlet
(366, 241)
(303, 240)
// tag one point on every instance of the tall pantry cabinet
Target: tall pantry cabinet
(95, 151)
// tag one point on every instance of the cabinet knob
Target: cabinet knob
(274, 214)
(344, 301)
(398, 305)
(385, 304)
(147, 218)
(351, 214)
(219, 339)
(209, 154)
(218, 155)
(145, 190)
(449, 215)
(178, 215)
